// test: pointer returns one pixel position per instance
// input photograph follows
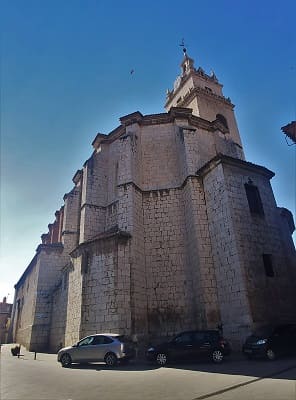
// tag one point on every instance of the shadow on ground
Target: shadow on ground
(285, 367)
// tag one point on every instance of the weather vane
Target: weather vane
(182, 44)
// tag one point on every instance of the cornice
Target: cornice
(222, 159)
(184, 78)
(112, 234)
(198, 90)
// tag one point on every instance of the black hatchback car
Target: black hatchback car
(191, 345)
(271, 342)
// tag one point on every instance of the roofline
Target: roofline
(33, 262)
(222, 159)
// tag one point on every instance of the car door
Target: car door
(180, 347)
(100, 346)
(83, 350)
(201, 344)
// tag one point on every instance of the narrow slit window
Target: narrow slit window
(254, 199)
(267, 261)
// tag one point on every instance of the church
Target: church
(167, 228)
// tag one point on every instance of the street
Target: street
(44, 379)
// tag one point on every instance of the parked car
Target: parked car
(271, 342)
(191, 345)
(110, 348)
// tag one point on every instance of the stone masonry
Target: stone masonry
(167, 228)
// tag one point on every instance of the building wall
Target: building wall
(156, 235)
(25, 305)
(247, 297)
(59, 304)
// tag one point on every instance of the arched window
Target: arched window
(222, 119)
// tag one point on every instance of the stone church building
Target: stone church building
(167, 228)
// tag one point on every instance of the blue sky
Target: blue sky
(65, 75)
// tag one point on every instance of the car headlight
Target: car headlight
(151, 349)
(261, 341)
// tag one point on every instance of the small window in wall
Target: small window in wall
(85, 263)
(254, 199)
(222, 119)
(267, 261)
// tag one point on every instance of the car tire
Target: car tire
(66, 360)
(161, 359)
(110, 359)
(270, 355)
(217, 356)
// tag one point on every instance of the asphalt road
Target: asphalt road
(44, 379)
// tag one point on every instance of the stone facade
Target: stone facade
(5, 314)
(167, 228)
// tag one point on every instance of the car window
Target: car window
(123, 339)
(183, 338)
(86, 341)
(101, 340)
(200, 336)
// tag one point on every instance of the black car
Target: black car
(271, 342)
(191, 345)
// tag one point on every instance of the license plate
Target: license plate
(248, 351)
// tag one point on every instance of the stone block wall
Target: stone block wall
(169, 301)
(229, 269)
(73, 316)
(25, 303)
(105, 289)
(94, 195)
(271, 297)
(160, 159)
(58, 314)
(51, 262)
(200, 256)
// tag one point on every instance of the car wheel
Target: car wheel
(270, 354)
(110, 359)
(217, 356)
(161, 359)
(66, 360)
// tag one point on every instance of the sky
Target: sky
(65, 76)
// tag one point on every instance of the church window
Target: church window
(222, 120)
(267, 261)
(209, 90)
(254, 199)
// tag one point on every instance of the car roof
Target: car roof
(107, 334)
(200, 331)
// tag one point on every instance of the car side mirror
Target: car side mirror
(75, 345)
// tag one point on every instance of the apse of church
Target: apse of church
(167, 228)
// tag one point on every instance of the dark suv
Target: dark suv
(271, 342)
(191, 345)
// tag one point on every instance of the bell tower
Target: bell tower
(201, 92)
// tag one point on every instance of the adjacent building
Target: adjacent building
(167, 228)
(5, 314)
